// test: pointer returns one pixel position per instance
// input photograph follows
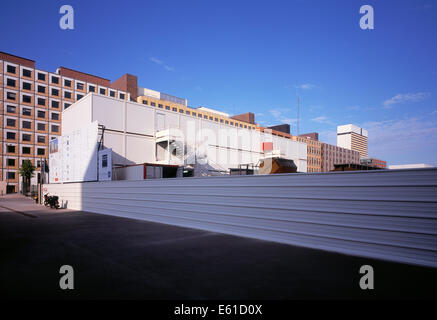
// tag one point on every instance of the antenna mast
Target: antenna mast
(298, 114)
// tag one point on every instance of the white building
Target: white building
(352, 137)
(139, 133)
(410, 166)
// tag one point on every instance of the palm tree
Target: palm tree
(26, 171)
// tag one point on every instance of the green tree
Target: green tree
(26, 171)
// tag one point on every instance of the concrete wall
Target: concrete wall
(388, 214)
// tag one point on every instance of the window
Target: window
(122, 95)
(55, 92)
(104, 161)
(175, 109)
(79, 96)
(55, 128)
(221, 120)
(27, 86)
(11, 96)
(25, 150)
(67, 83)
(11, 135)
(66, 105)
(27, 73)
(102, 91)
(41, 126)
(26, 137)
(210, 118)
(41, 114)
(41, 89)
(160, 106)
(226, 122)
(55, 116)
(26, 112)
(112, 93)
(41, 151)
(199, 115)
(41, 76)
(41, 101)
(55, 80)
(27, 124)
(92, 89)
(181, 110)
(205, 116)
(67, 95)
(11, 175)
(10, 122)
(41, 139)
(79, 86)
(193, 113)
(167, 107)
(55, 104)
(232, 123)
(11, 162)
(11, 69)
(11, 82)
(145, 102)
(153, 104)
(216, 119)
(11, 109)
(38, 165)
(10, 149)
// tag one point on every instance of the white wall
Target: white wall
(385, 214)
(137, 124)
(344, 141)
(78, 115)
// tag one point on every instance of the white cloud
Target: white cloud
(305, 86)
(161, 63)
(281, 116)
(321, 119)
(405, 97)
(404, 138)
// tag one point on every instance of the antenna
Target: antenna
(298, 114)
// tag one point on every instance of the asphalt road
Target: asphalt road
(129, 259)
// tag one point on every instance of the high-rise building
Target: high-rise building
(352, 137)
(31, 105)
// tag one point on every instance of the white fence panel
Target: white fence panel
(390, 215)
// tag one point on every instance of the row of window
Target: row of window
(28, 125)
(28, 112)
(55, 80)
(25, 137)
(12, 96)
(26, 150)
(56, 91)
(199, 115)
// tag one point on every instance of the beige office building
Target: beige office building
(352, 137)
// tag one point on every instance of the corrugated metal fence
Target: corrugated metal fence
(390, 215)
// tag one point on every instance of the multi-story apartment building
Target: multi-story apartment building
(314, 150)
(354, 138)
(31, 105)
(337, 155)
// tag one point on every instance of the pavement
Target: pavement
(119, 258)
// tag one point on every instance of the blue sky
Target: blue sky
(241, 56)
